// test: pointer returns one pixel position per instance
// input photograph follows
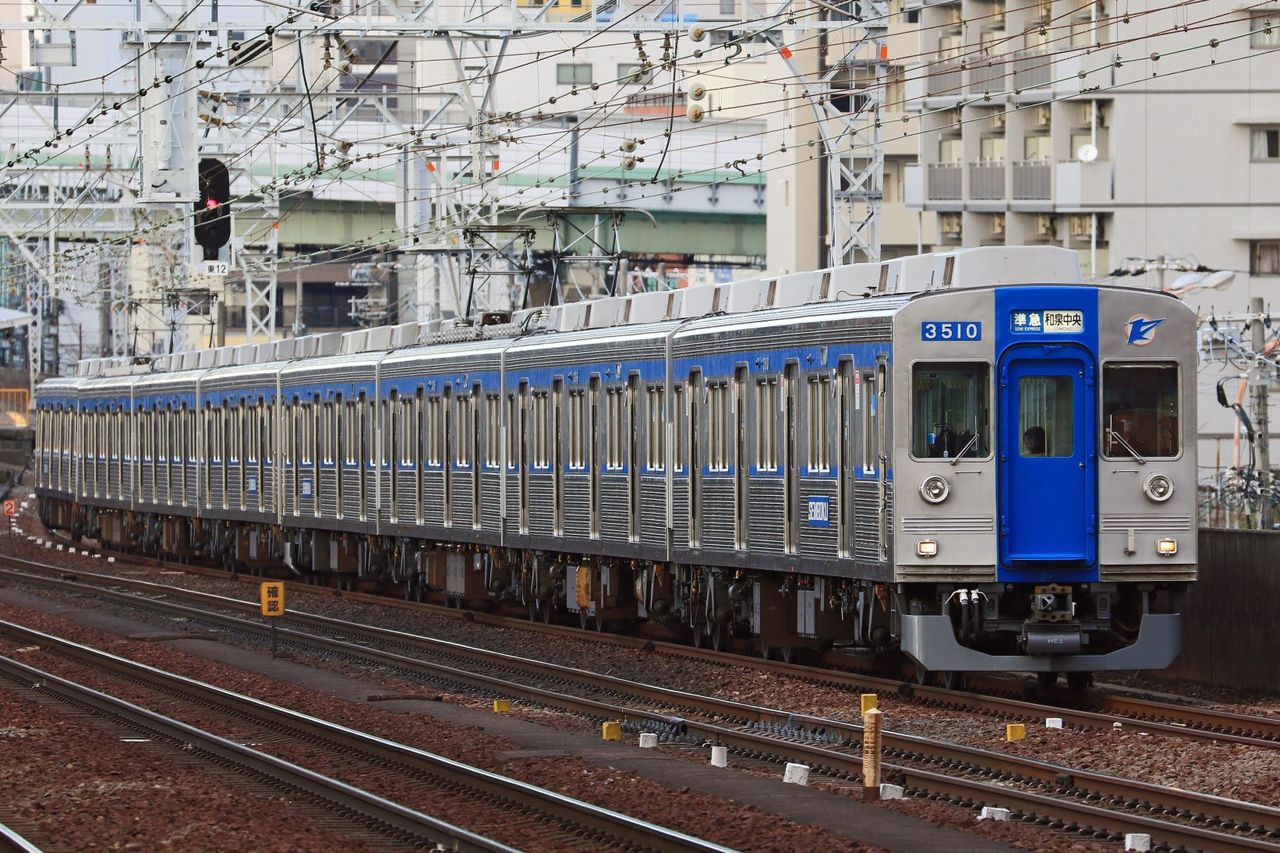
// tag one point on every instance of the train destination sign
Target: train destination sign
(1049, 321)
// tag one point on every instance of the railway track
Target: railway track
(551, 818)
(1064, 797)
(12, 841)
(1001, 697)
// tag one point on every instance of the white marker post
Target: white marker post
(872, 741)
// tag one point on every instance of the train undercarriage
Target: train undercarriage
(785, 616)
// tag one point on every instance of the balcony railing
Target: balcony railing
(1032, 69)
(1032, 181)
(946, 182)
(944, 79)
(989, 75)
(986, 181)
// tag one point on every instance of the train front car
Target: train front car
(1045, 479)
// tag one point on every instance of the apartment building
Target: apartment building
(1114, 129)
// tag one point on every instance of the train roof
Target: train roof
(821, 294)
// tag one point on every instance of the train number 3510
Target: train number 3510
(950, 330)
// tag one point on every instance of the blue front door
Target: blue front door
(1048, 494)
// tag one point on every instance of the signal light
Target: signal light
(213, 209)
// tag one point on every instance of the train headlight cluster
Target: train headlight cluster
(935, 489)
(927, 548)
(1166, 547)
(1158, 487)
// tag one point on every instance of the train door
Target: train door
(557, 463)
(446, 462)
(845, 468)
(1047, 452)
(791, 468)
(521, 427)
(695, 456)
(879, 418)
(593, 468)
(475, 410)
(741, 482)
(633, 456)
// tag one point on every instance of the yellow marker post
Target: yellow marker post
(271, 597)
(872, 742)
(1015, 732)
(611, 731)
(869, 701)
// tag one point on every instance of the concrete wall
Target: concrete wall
(1230, 632)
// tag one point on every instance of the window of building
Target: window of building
(1080, 139)
(950, 150)
(1264, 257)
(950, 46)
(1082, 30)
(1037, 148)
(1265, 144)
(573, 73)
(993, 149)
(1140, 410)
(949, 406)
(1264, 31)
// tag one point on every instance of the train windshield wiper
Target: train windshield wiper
(956, 459)
(1115, 436)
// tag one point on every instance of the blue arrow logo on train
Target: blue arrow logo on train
(1142, 330)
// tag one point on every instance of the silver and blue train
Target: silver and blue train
(971, 456)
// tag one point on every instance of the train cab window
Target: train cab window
(1140, 410)
(950, 410)
(1045, 416)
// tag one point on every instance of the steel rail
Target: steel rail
(813, 730)
(388, 816)
(605, 823)
(1134, 714)
(11, 840)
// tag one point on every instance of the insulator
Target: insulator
(697, 92)
(695, 113)
(697, 33)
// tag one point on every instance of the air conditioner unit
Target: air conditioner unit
(949, 224)
(1087, 111)
(999, 119)
(1081, 226)
(997, 225)
(1046, 227)
(1041, 115)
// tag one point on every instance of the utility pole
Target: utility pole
(1263, 429)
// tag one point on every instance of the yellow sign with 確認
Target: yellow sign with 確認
(271, 595)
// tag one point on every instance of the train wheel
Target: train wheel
(1079, 681)
(954, 680)
(788, 654)
(766, 649)
(1046, 679)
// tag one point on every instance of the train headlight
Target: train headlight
(927, 548)
(1158, 487)
(935, 489)
(1166, 547)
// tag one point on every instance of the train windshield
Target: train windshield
(950, 410)
(1140, 410)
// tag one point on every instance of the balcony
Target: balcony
(1032, 69)
(1032, 181)
(1085, 184)
(944, 79)
(945, 183)
(989, 75)
(986, 181)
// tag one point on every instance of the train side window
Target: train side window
(680, 428)
(1140, 409)
(493, 431)
(950, 410)
(657, 429)
(819, 426)
(577, 429)
(767, 424)
(718, 427)
(512, 431)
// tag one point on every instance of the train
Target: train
(971, 457)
